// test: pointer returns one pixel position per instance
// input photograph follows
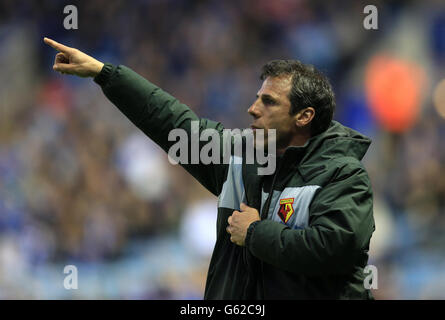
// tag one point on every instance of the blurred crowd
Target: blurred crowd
(79, 184)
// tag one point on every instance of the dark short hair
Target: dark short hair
(310, 88)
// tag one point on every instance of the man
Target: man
(300, 233)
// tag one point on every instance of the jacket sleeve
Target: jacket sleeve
(340, 227)
(157, 113)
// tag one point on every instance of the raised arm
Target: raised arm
(151, 109)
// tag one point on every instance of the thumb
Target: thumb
(244, 207)
(64, 67)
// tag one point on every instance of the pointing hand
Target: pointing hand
(73, 61)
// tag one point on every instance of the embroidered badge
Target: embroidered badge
(286, 210)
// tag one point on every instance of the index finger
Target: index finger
(58, 46)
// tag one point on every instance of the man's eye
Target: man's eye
(268, 101)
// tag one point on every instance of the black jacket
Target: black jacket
(316, 210)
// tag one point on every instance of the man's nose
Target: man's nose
(253, 110)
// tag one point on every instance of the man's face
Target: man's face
(271, 110)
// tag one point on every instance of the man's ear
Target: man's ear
(304, 117)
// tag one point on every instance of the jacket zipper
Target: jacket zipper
(266, 207)
(263, 216)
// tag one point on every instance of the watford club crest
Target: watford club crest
(286, 209)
